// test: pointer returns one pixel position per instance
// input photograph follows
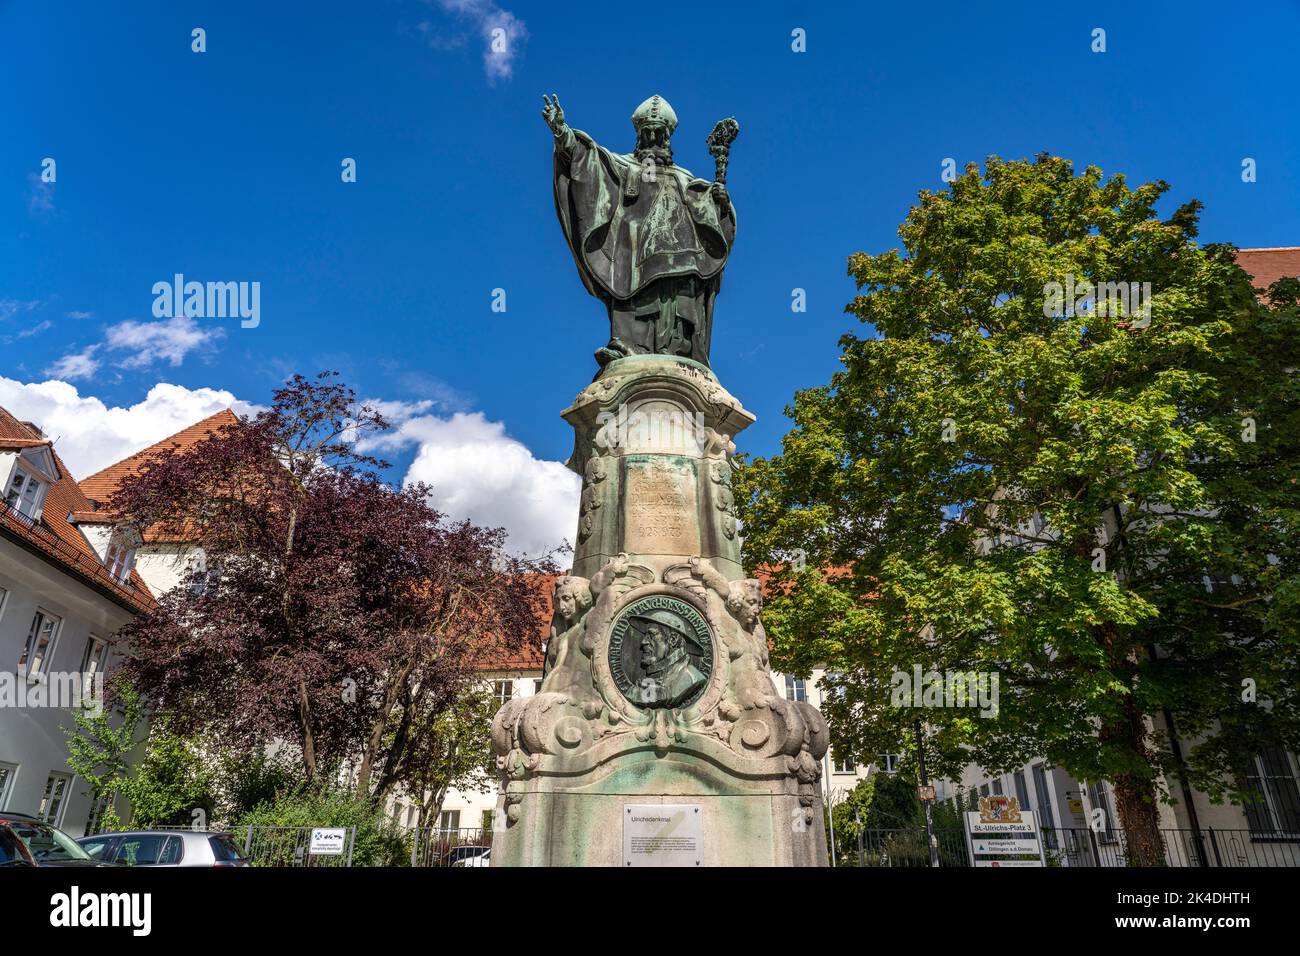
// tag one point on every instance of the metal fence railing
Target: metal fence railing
(440, 846)
(899, 847)
(1081, 846)
(292, 846)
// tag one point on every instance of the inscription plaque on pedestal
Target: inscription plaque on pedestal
(662, 834)
(660, 508)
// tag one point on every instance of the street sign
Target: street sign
(925, 793)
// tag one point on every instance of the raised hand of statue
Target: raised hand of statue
(720, 196)
(553, 113)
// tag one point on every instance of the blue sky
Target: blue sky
(225, 165)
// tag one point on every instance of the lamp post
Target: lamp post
(926, 804)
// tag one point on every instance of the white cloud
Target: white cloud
(76, 365)
(502, 32)
(28, 331)
(40, 195)
(91, 435)
(395, 411)
(11, 307)
(478, 472)
(144, 344)
(36, 329)
(170, 340)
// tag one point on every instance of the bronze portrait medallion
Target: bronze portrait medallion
(661, 652)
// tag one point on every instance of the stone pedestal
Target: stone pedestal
(657, 688)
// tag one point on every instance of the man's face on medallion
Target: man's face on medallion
(654, 645)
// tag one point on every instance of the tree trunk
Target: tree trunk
(376, 739)
(1135, 793)
(308, 738)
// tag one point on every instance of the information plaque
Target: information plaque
(662, 834)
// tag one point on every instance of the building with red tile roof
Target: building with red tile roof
(40, 498)
(65, 591)
(101, 486)
(1266, 266)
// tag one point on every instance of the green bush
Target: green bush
(378, 841)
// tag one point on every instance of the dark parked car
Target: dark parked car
(164, 848)
(26, 840)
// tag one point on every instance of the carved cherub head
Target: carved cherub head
(572, 598)
(745, 601)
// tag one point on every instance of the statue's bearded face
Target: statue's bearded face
(654, 144)
(655, 645)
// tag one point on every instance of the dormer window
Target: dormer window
(26, 493)
(121, 555)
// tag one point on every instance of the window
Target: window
(25, 494)
(12, 852)
(1022, 792)
(119, 556)
(833, 683)
(148, 849)
(224, 849)
(1097, 797)
(8, 771)
(1272, 777)
(3, 594)
(449, 820)
(537, 686)
(96, 656)
(202, 578)
(1044, 806)
(503, 690)
(888, 763)
(101, 848)
(997, 786)
(984, 790)
(795, 689)
(486, 821)
(97, 810)
(845, 765)
(40, 644)
(56, 789)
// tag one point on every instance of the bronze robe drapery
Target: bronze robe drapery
(651, 248)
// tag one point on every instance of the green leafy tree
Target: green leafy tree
(100, 745)
(451, 749)
(884, 808)
(1039, 486)
(172, 786)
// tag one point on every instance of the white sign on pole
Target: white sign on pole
(1000, 829)
(662, 834)
(328, 841)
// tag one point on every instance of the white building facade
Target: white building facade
(65, 590)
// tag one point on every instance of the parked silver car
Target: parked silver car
(164, 848)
